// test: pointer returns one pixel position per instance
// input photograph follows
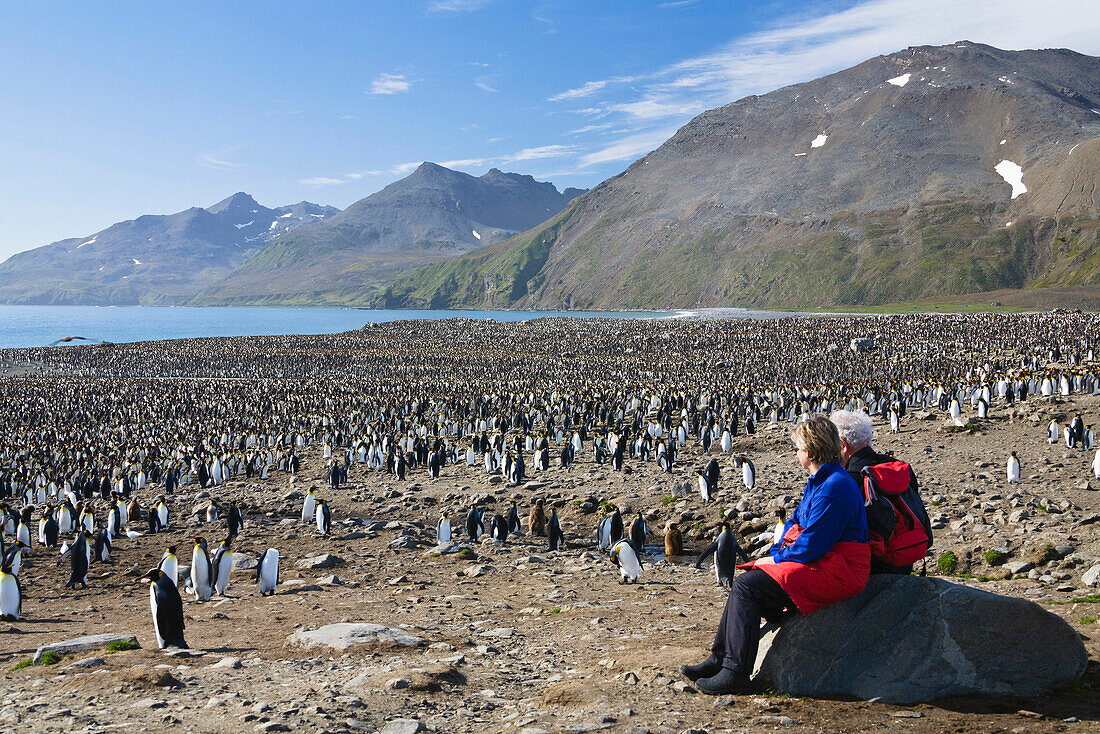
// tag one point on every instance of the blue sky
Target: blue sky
(116, 109)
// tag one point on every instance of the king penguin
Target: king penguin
(201, 573)
(623, 555)
(78, 560)
(513, 519)
(11, 595)
(748, 473)
(309, 505)
(443, 530)
(704, 487)
(235, 519)
(169, 563)
(553, 531)
(267, 573)
(536, 521)
(603, 533)
(474, 524)
(167, 608)
(674, 540)
(616, 529)
(324, 517)
(1013, 468)
(726, 549)
(222, 566)
(499, 528)
(638, 531)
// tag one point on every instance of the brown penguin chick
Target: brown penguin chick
(133, 511)
(537, 521)
(674, 540)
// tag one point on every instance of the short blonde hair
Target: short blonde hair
(819, 437)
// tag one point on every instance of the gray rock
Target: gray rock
(1015, 567)
(81, 644)
(1090, 577)
(228, 662)
(907, 639)
(402, 726)
(243, 561)
(86, 663)
(323, 561)
(445, 549)
(345, 635)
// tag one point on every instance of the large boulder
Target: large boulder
(906, 639)
(344, 636)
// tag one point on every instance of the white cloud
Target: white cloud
(390, 84)
(677, 4)
(628, 148)
(658, 108)
(458, 6)
(589, 129)
(207, 160)
(402, 169)
(586, 90)
(466, 163)
(321, 181)
(484, 86)
(544, 151)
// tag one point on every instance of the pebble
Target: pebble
(228, 662)
(403, 726)
(781, 720)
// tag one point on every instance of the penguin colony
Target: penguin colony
(102, 465)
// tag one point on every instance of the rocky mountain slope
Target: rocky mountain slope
(154, 259)
(930, 172)
(431, 215)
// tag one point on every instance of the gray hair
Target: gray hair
(854, 427)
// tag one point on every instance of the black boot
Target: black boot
(725, 682)
(705, 669)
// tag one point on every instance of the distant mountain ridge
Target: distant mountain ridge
(154, 259)
(431, 215)
(895, 180)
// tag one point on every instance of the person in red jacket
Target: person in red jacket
(823, 557)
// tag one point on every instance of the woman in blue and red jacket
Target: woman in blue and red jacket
(823, 557)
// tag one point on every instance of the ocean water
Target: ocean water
(38, 326)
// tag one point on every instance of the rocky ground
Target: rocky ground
(520, 639)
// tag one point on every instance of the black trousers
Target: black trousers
(754, 594)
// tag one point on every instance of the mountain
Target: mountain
(887, 182)
(154, 259)
(431, 215)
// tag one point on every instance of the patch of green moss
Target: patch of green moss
(50, 658)
(22, 664)
(994, 557)
(947, 562)
(122, 645)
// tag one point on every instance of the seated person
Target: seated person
(823, 557)
(856, 455)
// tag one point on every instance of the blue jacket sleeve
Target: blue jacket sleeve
(824, 514)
